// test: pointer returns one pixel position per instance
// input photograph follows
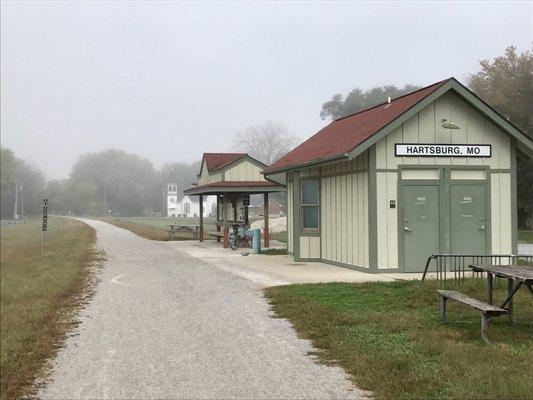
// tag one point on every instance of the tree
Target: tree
(111, 180)
(507, 85)
(266, 142)
(15, 172)
(358, 100)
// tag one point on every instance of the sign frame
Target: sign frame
(440, 145)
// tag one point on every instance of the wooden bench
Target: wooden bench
(487, 310)
(216, 234)
(192, 229)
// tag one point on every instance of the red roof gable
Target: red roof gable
(216, 161)
(240, 184)
(344, 134)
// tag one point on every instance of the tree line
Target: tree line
(110, 182)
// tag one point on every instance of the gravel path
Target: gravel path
(163, 324)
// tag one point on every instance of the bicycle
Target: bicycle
(240, 238)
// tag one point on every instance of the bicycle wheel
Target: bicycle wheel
(233, 241)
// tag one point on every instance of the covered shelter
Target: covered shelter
(232, 177)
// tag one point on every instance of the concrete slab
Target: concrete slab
(273, 270)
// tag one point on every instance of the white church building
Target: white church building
(188, 207)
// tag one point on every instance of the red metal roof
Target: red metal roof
(344, 134)
(239, 184)
(216, 161)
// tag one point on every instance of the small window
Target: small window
(310, 205)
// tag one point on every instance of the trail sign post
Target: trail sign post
(45, 224)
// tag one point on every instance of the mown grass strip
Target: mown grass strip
(151, 229)
(525, 236)
(38, 297)
(389, 338)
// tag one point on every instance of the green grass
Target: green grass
(389, 338)
(281, 236)
(156, 228)
(274, 252)
(525, 236)
(38, 296)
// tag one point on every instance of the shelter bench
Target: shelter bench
(487, 310)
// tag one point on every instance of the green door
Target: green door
(420, 225)
(468, 222)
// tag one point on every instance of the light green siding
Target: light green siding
(244, 171)
(344, 212)
(426, 127)
(310, 247)
(501, 213)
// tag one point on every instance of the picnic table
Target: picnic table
(520, 275)
(193, 229)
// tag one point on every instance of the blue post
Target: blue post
(256, 241)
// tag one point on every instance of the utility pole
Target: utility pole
(21, 203)
(16, 206)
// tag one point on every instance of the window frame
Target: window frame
(303, 229)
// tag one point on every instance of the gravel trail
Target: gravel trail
(163, 324)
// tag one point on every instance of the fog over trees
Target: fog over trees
(265, 142)
(115, 182)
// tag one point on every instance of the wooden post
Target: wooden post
(266, 237)
(489, 288)
(218, 215)
(201, 218)
(225, 232)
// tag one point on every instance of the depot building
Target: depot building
(431, 172)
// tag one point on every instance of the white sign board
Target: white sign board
(442, 150)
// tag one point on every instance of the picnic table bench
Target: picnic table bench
(522, 275)
(487, 310)
(193, 229)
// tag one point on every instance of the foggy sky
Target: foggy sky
(171, 80)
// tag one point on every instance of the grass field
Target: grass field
(38, 296)
(156, 228)
(525, 236)
(389, 338)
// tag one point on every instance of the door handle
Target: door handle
(407, 229)
(482, 228)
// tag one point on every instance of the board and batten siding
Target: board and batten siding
(426, 127)
(244, 171)
(344, 212)
(206, 178)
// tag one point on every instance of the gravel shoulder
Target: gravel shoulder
(163, 324)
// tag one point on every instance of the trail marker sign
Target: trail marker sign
(45, 224)
(45, 215)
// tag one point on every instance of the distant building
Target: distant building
(173, 206)
(190, 206)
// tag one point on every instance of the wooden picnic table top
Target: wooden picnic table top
(519, 273)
